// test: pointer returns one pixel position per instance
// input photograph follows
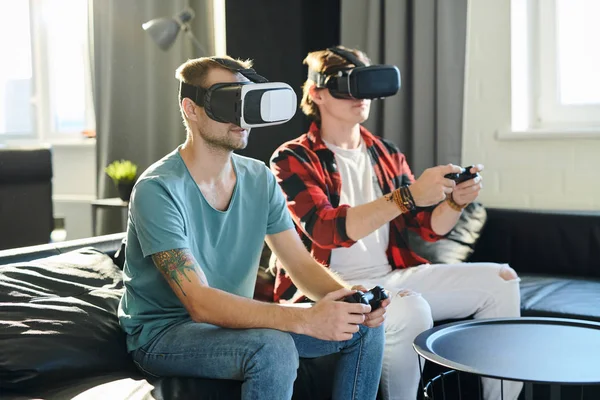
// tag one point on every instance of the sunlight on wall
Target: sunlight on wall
(219, 24)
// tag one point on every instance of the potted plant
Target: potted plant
(123, 173)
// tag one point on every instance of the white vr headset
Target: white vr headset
(246, 104)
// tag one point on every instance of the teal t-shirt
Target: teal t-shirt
(168, 211)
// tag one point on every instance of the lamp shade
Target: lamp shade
(164, 31)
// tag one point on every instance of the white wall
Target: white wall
(532, 173)
(74, 186)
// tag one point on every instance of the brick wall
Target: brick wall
(532, 173)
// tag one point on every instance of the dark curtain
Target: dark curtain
(426, 40)
(277, 35)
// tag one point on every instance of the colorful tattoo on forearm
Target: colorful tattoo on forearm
(176, 264)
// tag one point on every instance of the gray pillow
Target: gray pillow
(459, 243)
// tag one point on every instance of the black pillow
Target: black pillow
(459, 243)
(58, 319)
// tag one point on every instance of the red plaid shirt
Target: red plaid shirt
(307, 173)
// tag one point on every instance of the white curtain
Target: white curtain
(135, 90)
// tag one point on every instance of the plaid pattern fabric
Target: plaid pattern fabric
(307, 172)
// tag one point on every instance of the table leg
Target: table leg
(528, 391)
(554, 392)
(93, 220)
(124, 216)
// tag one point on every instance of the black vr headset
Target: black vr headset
(358, 82)
(246, 104)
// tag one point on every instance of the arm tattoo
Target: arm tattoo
(175, 264)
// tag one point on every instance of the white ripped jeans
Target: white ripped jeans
(443, 292)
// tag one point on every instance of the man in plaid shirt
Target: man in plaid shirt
(342, 186)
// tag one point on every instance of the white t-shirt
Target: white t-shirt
(366, 258)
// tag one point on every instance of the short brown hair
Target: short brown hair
(323, 61)
(194, 72)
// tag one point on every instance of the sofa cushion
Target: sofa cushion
(458, 244)
(58, 318)
(563, 297)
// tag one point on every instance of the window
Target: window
(45, 83)
(556, 65)
(16, 75)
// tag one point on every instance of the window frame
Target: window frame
(43, 125)
(551, 113)
(535, 103)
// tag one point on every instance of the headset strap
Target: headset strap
(192, 92)
(347, 55)
(320, 78)
(249, 73)
(197, 94)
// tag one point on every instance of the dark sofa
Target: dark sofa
(60, 337)
(557, 255)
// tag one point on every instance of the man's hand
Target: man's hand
(377, 317)
(432, 187)
(330, 319)
(466, 192)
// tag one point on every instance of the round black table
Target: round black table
(537, 350)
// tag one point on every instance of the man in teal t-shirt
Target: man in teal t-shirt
(198, 219)
(169, 212)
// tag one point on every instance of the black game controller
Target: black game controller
(373, 297)
(465, 175)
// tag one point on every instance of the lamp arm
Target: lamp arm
(188, 31)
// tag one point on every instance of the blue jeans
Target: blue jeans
(265, 360)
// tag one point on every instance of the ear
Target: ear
(189, 108)
(316, 94)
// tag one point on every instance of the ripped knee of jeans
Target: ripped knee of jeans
(408, 313)
(508, 274)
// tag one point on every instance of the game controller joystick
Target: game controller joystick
(373, 297)
(465, 175)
